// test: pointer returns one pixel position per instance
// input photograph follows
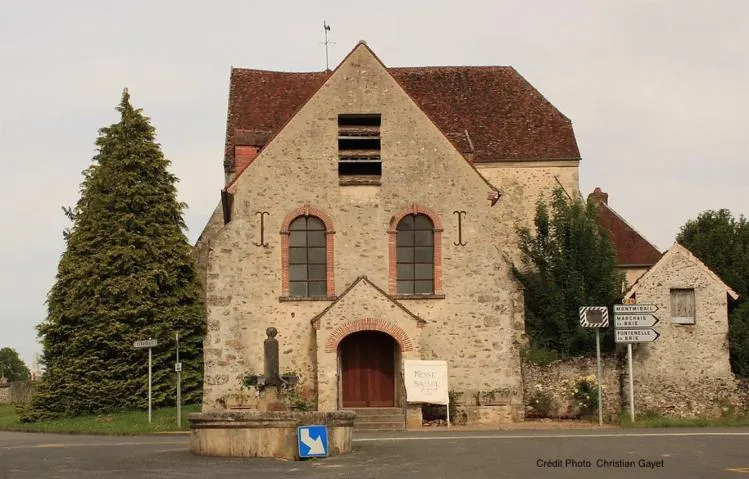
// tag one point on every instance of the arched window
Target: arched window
(308, 275)
(414, 256)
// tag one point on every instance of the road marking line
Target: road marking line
(743, 470)
(550, 436)
(98, 444)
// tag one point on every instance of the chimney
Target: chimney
(599, 196)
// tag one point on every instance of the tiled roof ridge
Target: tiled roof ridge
(262, 70)
(409, 67)
(621, 218)
(632, 248)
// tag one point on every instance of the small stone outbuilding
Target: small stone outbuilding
(687, 370)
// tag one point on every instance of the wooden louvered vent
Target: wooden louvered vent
(359, 161)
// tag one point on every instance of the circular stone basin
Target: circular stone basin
(265, 434)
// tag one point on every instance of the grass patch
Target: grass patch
(119, 423)
(656, 420)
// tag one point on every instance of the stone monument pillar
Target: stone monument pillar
(269, 397)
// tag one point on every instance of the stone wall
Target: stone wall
(707, 397)
(5, 393)
(16, 392)
(556, 378)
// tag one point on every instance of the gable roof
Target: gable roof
(632, 249)
(260, 102)
(489, 113)
(315, 321)
(674, 250)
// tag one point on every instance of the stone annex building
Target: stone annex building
(370, 214)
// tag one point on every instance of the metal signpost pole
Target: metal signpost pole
(631, 384)
(179, 387)
(149, 385)
(147, 343)
(598, 379)
(596, 317)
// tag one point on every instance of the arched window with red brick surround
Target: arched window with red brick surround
(415, 246)
(307, 255)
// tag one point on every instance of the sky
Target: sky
(656, 91)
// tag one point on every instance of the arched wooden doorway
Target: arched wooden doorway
(368, 370)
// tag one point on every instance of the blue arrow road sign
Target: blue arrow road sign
(313, 441)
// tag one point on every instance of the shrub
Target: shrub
(540, 403)
(584, 393)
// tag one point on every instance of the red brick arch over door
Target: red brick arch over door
(368, 324)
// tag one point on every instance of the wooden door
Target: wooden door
(368, 370)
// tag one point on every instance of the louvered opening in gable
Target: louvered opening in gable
(359, 161)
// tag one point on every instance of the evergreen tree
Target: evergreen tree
(721, 241)
(12, 367)
(567, 262)
(127, 274)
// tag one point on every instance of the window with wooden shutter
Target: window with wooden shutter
(683, 305)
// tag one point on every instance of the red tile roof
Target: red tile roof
(631, 248)
(261, 102)
(504, 116)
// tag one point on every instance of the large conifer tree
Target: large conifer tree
(127, 274)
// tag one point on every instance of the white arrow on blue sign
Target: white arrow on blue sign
(312, 441)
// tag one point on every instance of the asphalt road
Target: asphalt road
(652, 453)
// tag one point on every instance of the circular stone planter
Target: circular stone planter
(265, 434)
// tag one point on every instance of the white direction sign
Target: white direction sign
(636, 335)
(145, 343)
(635, 320)
(635, 308)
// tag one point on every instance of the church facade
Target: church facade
(370, 215)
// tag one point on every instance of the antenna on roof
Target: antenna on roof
(326, 28)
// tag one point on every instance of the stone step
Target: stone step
(379, 426)
(376, 411)
(379, 419)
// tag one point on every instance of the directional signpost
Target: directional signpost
(596, 317)
(312, 441)
(634, 324)
(147, 343)
(636, 335)
(625, 321)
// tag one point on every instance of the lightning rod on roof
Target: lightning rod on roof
(326, 29)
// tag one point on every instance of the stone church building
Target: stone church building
(369, 214)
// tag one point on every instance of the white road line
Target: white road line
(550, 436)
(98, 444)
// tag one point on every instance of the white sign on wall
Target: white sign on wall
(426, 381)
